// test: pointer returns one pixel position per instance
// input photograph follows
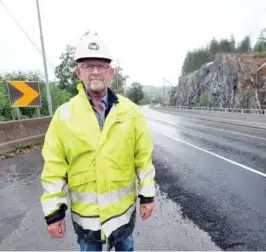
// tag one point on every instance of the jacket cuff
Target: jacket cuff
(146, 200)
(56, 216)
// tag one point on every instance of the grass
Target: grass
(21, 148)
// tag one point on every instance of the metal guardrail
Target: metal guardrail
(226, 110)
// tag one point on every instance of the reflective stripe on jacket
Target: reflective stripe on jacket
(100, 167)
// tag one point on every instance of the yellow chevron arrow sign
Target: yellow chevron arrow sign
(30, 92)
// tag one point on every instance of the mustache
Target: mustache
(91, 79)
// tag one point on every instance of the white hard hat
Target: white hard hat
(91, 46)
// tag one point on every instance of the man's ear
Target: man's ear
(78, 73)
(112, 73)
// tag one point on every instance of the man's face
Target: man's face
(95, 74)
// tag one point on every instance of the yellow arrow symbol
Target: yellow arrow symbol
(29, 94)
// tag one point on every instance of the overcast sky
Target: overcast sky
(150, 38)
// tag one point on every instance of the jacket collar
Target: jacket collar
(104, 99)
(112, 97)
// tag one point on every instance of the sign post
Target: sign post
(18, 113)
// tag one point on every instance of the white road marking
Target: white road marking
(213, 154)
(216, 155)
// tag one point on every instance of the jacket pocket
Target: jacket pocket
(82, 178)
(122, 175)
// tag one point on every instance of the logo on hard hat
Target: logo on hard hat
(93, 46)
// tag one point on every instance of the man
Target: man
(99, 145)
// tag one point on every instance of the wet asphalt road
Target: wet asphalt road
(200, 165)
(22, 227)
(206, 200)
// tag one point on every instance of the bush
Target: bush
(260, 54)
(205, 100)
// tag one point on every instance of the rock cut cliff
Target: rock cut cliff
(231, 81)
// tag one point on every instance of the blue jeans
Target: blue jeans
(125, 245)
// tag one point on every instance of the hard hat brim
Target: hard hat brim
(79, 60)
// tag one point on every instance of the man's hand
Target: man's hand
(146, 210)
(57, 229)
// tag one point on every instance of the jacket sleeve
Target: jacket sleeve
(54, 174)
(143, 161)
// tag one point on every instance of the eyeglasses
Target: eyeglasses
(90, 67)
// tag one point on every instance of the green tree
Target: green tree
(59, 96)
(187, 64)
(195, 59)
(225, 46)
(213, 48)
(135, 92)
(118, 83)
(245, 45)
(202, 57)
(65, 72)
(232, 44)
(146, 100)
(260, 45)
(5, 108)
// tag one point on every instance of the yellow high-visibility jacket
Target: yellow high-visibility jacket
(99, 167)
